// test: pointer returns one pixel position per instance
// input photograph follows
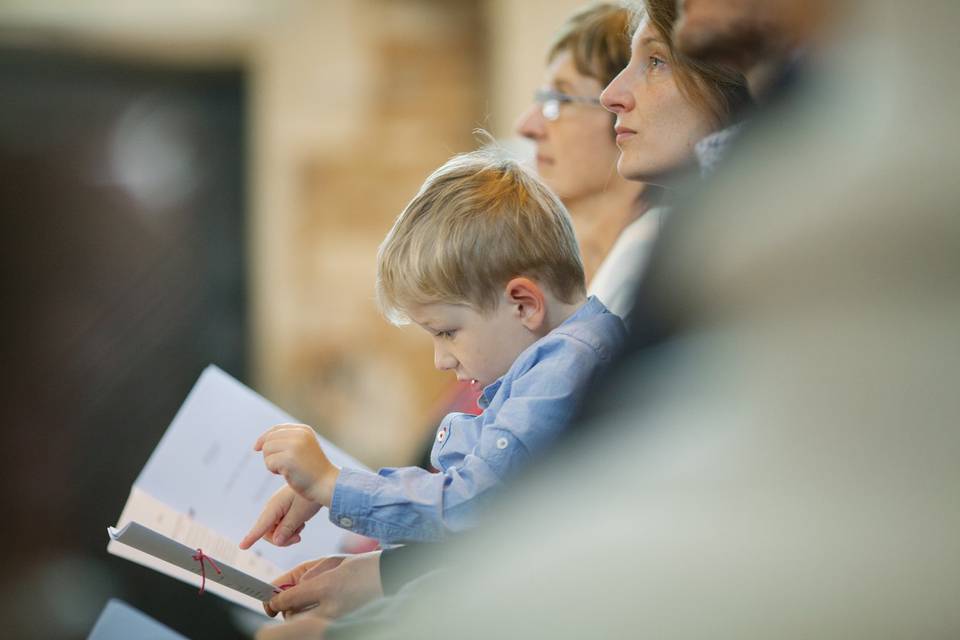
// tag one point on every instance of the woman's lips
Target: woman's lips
(624, 133)
(541, 159)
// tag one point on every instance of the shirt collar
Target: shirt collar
(714, 147)
(591, 307)
(488, 392)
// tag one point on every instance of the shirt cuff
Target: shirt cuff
(350, 505)
(357, 506)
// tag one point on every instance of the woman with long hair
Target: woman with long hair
(615, 219)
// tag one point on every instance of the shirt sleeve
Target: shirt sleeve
(412, 504)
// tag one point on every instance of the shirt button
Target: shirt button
(502, 443)
(346, 522)
(442, 434)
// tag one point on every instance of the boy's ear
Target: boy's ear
(528, 302)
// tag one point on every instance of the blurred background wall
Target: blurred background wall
(208, 181)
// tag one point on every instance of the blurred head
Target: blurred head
(753, 35)
(665, 101)
(722, 29)
(576, 153)
(478, 222)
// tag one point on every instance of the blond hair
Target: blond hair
(478, 221)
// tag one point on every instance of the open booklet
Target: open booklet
(141, 538)
(203, 488)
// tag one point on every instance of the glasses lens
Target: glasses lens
(551, 109)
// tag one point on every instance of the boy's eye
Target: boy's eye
(445, 334)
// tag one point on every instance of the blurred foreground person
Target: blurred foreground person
(783, 461)
(760, 37)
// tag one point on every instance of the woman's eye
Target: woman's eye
(444, 334)
(656, 63)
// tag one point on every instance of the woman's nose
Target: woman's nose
(531, 123)
(616, 97)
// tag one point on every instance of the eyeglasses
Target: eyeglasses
(551, 100)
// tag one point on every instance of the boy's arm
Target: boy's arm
(411, 504)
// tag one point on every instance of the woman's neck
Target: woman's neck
(601, 217)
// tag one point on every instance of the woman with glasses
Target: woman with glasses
(576, 153)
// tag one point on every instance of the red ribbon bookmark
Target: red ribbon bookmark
(200, 556)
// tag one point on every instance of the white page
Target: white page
(120, 621)
(215, 570)
(206, 469)
(146, 510)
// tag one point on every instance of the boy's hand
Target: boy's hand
(292, 450)
(282, 519)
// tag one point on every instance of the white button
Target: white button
(346, 522)
(501, 443)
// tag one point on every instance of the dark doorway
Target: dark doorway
(123, 275)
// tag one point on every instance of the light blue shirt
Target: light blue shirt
(523, 412)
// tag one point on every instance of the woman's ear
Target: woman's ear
(527, 302)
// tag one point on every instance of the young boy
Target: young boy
(484, 259)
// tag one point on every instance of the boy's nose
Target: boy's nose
(443, 360)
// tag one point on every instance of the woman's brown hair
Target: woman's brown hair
(718, 89)
(598, 39)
